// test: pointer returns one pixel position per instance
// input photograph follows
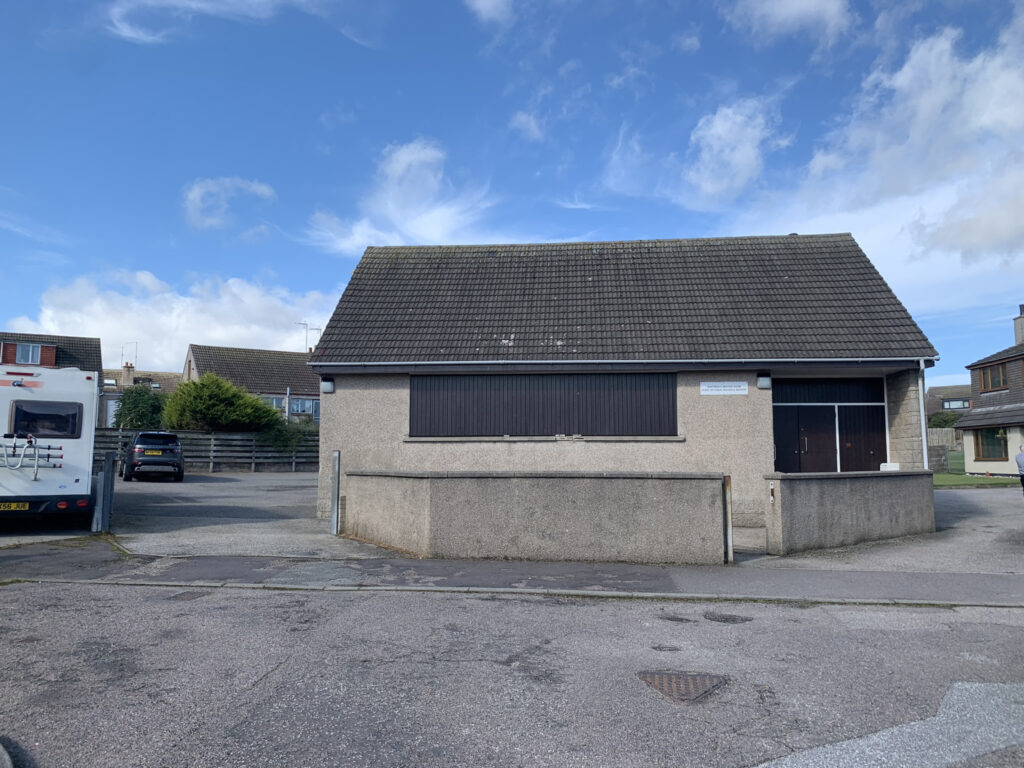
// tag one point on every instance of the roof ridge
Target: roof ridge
(564, 243)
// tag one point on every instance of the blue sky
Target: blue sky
(209, 171)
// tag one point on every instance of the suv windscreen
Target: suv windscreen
(156, 440)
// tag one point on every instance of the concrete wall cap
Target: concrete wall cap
(844, 475)
(539, 474)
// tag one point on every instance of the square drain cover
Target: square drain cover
(682, 686)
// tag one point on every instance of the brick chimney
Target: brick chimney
(1018, 327)
(127, 375)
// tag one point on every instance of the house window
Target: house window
(28, 354)
(993, 377)
(543, 405)
(955, 405)
(302, 406)
(274, 402)
(990, 444)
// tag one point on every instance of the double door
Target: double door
(829, 438)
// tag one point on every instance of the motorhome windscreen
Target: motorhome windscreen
(46, 419)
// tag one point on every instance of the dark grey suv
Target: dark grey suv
(153, 453)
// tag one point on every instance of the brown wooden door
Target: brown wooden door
(805, 438)
(817, 438)
(786, 428)
(861, 437)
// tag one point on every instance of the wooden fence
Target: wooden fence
(224, 452)
(947, 436)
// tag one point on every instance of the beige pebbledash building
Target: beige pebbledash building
(994, 427)
(623, 401)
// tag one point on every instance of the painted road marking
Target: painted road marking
(973, 719)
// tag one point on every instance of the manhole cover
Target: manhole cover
(682, 686)
(191, 595)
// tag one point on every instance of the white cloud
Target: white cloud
(164, 321)
(491, 11)
(135, 20)
(527, 125)
(206, 201)
(329, 233)
(927, 171)
(630, 168)
(411, 202)
(688, 42)
(18, 225)
(944, 128)
(826, 20)
(337, 117)
(729, 147)
(576, 204)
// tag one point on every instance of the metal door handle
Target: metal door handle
(805, 445)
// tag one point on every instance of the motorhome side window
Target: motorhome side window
(46, 419)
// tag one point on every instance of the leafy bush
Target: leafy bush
(944, 419)
(140, 408)
(286, 436)
(215, 405)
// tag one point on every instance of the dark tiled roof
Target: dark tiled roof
(1009, 353)
(953, 390)
(260, 371)
(753, 298)
(80, 352)
(994, 416)
(168, 381)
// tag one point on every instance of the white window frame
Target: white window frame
(34, 353)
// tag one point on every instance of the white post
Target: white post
(924, 424)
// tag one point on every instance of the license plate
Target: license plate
(13, 506)
(154, 453)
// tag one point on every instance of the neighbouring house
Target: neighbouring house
(994, 428)
(80, 352)
(952, 399)
(282, 379)
(623, 400)
(117, 380)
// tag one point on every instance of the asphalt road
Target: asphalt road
(105, 675)
(234, 637)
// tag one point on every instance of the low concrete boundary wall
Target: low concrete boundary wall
(819, 510)
(628, 517)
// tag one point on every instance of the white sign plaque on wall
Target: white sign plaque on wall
(723, 387)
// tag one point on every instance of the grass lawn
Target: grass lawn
(948, 480)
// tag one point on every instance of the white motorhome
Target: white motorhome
(48, 417)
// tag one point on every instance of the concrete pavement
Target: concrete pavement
(255, 531)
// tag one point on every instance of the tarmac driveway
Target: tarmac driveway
(255, 514)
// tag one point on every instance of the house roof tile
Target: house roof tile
(1017, 350)
(259, 371)
(992, 416)
(751, 298)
